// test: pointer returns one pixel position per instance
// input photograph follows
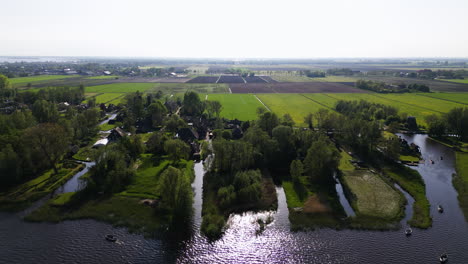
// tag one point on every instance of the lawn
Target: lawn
(460, 181)
(103, 77)
(145, 183)
(120, 88)
(372, 196)
(419, 112)
(461, 98)
(455, 80)
(38, 78)
(296, 105)
(120, 209)
(240, 106)
(107, 97)
(28, 192)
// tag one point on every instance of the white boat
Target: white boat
(443, 258)
(408, 231)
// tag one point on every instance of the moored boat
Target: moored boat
(111, 238)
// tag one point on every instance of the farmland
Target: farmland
(108, 97)
(296, 105)
(435, 85)
(173, 88)
(120, 88)
(40, 78)
(461, 98)
(465, 81)
(298, 78)
(297, 87)
(240, 106)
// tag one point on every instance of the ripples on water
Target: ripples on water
(83, 241)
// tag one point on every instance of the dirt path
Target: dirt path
(262, 103)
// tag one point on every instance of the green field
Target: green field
(371, 195)
(32, 79)
(240, 106)
(120, 88)
(460, 181)
(299, 105)
(455, 80)
(461, 98)
(108, 97)
(103, 77)
(296, 105)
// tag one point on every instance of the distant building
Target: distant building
(187, 134)
(116, 134)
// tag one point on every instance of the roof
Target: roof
(101, 142)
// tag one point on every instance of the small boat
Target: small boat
(443, 258)
(440, 209)
(111, 238)
(408, 231)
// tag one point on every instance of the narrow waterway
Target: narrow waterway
(82, 241)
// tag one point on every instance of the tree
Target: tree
(248, 186)
(193, 106)
(111, 173)
(49, 139)
(287, 120)
(261, 110)
(176, 149)
(232, 155)
(296, 169)
(174, 122)
(4, 83)
(45, 112)
(268, 121)
(457, 122)
(213, 108)
(309, 120)
(284, 136)
(175, 191)
(321, 160)
(155, 143)
(156, 112)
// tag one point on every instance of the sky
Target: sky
(235, 29)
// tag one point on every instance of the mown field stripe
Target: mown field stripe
(413, 105)
(443, 99)
(317, 102)
(262, 103)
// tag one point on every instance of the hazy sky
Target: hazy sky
(235, 29)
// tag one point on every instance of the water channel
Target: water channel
(82, 241)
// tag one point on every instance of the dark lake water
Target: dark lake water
(82, 241)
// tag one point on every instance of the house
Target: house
(187, 134)
(101, 142)
(116, 134)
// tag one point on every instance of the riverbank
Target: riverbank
(460, 181)
(412, 182)
(22, 196)
(135, 208)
